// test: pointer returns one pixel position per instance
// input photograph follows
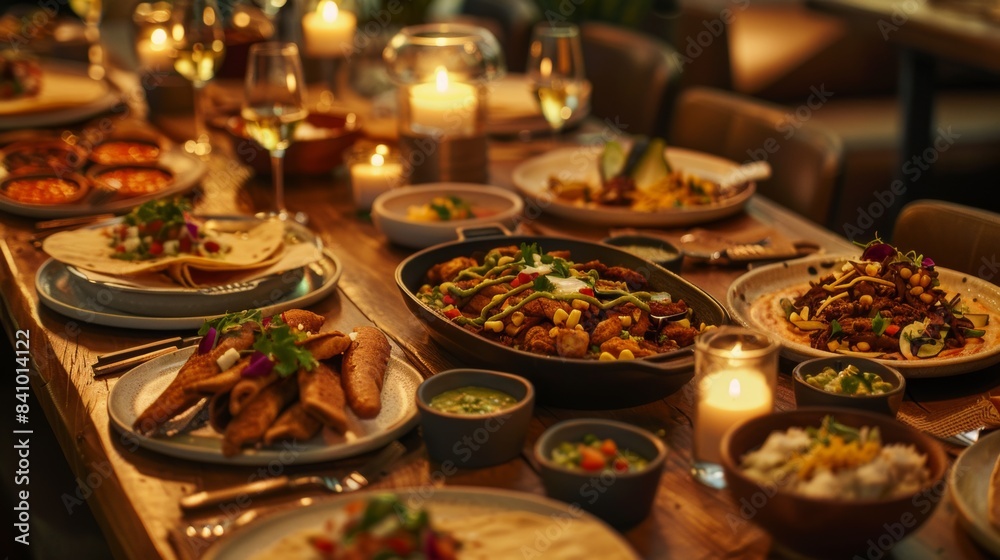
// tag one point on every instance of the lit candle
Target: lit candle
(725, 398)
(445, 106)
(155, 51)
(372, 178)
(328, 31)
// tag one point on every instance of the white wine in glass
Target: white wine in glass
(273, 106)
(555, 69)
(199, 47)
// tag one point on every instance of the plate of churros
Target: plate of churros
(260, 389)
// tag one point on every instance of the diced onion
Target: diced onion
(259, 366)
(207, 341)
(228, 358)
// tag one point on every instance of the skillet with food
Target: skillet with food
(519, 323)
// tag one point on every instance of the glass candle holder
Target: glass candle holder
(153, 47)
(441, 72)
(374, 169)
(736, 372)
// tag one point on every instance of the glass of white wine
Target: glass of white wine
(273, 106)
(91, 12)
(199, 47)
(556, 72)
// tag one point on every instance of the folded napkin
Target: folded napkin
(61, 89)
(954, 416)
(731, 246)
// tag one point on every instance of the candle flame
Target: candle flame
(328, 11)
(441, 78)
(734, 388)
(737, 349)
(545, 67)
(158, 39)
(378, 160)
(382, 149)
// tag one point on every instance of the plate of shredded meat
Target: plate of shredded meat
(925, 320)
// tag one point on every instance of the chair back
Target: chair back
(806, 159)
(634, 77)
(955, 236)
(510, 20)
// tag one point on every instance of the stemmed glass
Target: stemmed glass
(199, 46)
(90, 11)
(273, 107)
(555, 70)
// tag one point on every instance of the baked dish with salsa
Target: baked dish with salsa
(887, 304)
(45, 188)
(545, 303)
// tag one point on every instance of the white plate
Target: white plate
(789, 274)
(389, 212)
(171, 300)
(581, 164)
(67, 95)
(969, 482)
(57, 292)
(445, 504)
(188, 170)
(138, 388)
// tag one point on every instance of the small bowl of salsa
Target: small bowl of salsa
(474, 418)
(653, 249)
(45, 189)
(125, 152)
(849, 381)
(132, 180)
(611, 469)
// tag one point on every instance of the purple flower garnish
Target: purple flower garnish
(927, 262)
(878, 252)
(208, 341)
(192, 229)
(259, 366)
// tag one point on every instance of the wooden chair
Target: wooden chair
(634, 76)
(806, 159)
(955, 236)
(511, 22)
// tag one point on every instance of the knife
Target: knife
(354, 481)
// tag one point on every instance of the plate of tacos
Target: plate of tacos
(261, 388)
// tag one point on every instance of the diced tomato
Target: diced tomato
(620, 465)
(587, 291)
(122, 231)
(400, 546)
(323, 545)
(524, 277)
(154, 226)
(891, 330)
(448, 300)
(212, 246)
(452, 313)
(591, 459)
(155, 248)
(120, 248)
(185, 244)
(609, 448)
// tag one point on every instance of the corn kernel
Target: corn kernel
(804, 313)
(559, 317)
(512, 329)
(915, 280)
(495, 326)
(446, 287)
(626, 354)
(517, 318)
(625, 320)
(872, 269)
(865, 300)
(578, 327)
(927, 298)
(606, 356)
(925, 280)
(864, 346)
(573, 319)
(794, 316)
(580, 304)
(504, 260)
(833, 345)
(905, 273)
(553, 332)
(916, 290)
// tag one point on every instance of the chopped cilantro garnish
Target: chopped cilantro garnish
(543, 284)
(879, 324)
(231, 321)
(836, 331)
(278, 342)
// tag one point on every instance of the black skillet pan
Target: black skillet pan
(564, 382)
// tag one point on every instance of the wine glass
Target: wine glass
(555, 70)
(273, 107)
(199, 47)
(90, 11)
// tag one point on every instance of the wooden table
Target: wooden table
(136, 501)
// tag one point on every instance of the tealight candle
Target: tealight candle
(373, 177)
(155, 52)
(445, 107)
(328, 31)
(736, 371)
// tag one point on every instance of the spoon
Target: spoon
(753, 171)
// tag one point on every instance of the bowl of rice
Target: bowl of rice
(833, 481)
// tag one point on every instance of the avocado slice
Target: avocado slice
(612, 160)
(652, 166)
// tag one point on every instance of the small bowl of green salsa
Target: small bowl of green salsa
(849, 381)
(610, 469)
(474, 418)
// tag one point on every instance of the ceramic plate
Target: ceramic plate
(581, 164)
(772, 278)
(969, 482)
(452, 506)
(187, 169)
(57, 292)
(67, 95)
(165, 299)
(390, 212)
(138, 388)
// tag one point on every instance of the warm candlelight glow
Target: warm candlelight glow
(155, 51)
(444, 106)
(727, 397)
(328, 31)
(378, 160)
(734, 388)
(158, 39)
(441, 79)
(374, 175)
(328, 10)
